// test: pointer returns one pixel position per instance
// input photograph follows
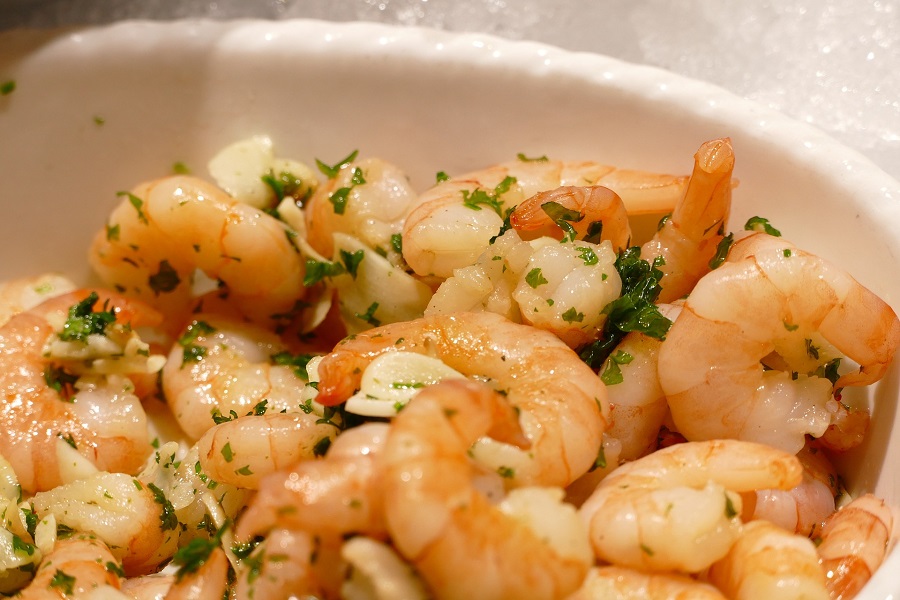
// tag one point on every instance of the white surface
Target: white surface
(830, 63)
(426, 101)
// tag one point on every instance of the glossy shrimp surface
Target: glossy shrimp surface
(561, 401)
(769, 298)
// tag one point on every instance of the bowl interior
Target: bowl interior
(96, 111)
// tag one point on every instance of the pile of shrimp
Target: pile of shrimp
(290, 382)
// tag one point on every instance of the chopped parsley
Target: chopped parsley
(612, 374)
(193, 352)
(298, 362)
(227, 452)
(317, 270)
(634, 310)
(167, 518)
(332, 171)
(195, 553)
(340, 196)
(83, 320)
(64, 582)
(165, 280)
(523, 158)
(479, 197)
(730, 511)
(285, 184)
(7, 87)
(138, 205)
(369, 315)
(322, 446)
(61, 381)
(535, 277)
(506, 472)
(572, 316)
(397, 243)
(721, 251)
(351, 261)
(761, 224)
(588, 256)
(179, 168)
(440, 177)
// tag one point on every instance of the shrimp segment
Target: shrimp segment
(677, 509)
(769, 296)
(586, 207)
(562, 402)
(689, 238)
(166, 229)
(76, 566)
(454, 222)
(606, 583)
(445, 527)
(855, 541)
(103, 419)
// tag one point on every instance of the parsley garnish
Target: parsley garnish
(506, 472)
(193, 352)
(165, 280)
(572, 316)
(634, 310)
(322, 446)
(63, 582)
(612, 374)
(721, 251)
(179, 168)
(298, 362)
(351, 261)
(369, 315)
(137, 203)
(317, 270)
(195, 553)
(535, 278)
(60, 380)
(285, 184)
(761, 224)
(84, 321)
(167, 518)
(479, 197)
(588, 256)
(7, 87)
(339, 198)
(332, 171)
(397, 243)
(440, 177)
(524, 158)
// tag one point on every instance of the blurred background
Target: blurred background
(831, 63)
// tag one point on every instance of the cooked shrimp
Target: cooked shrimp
(688, 240)
(367, 199)
(292, 564)
(148, 587)
(208, 582)
(453, 222)
(768, 562)
(166, 229)
(377, 572)
(593, 213)
(19, 295)
(74, 568)
(244, 450)
(677, 509)
(222, 367)
(770, 297)
(561, 401)
(855, 541)
(337, 495)
(804, 508)
(607, 583)
(460, 544)
(52, 418)
(128, 516)
(637, 404)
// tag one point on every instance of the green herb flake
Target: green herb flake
(573, 316)
(21, 547)
(369, 315)
(227, 453)
(594, 232)
(138, 205)
(730, 511)
(506, 472)
(83, 320)
(193, 352)
(67, 438)
(61, 381)
(332, 171)
(790, 326)
(722, 250)
(245, 471)
(761, 224)
(7, 87)
(63, 582)
(440, 177)
(317, 270)
(600, 461)
(165, 280)
(397, 243)
(535, 277)
(193, 555)
(285, 185)
(479, 197)
(115, 568)
(112, 232)
(407, 385)
(523, 158)
(588, 256)
(297, 362)
(179, 168)
(352, 260)
(322, 446)
(787, 252)
(99, 121)
(167, 518)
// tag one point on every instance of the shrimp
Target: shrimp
(637, 404)
(52, 417)
(164, 230)
(337, 495)
(19, 295)
(768, 562)
(291, 564)
(75, 567)
(132, 519)
(770, 297)
(561, 401)
(148, 587)
(208, 582)
(461, 545)
(367, 199)
(688, 240)
(222, 367)
(592, 213)
(802, 509)
(242, 451)
(854, 542)
(453, 222)
(677, 509)
(606, 583)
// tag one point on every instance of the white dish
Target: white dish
(97, 110)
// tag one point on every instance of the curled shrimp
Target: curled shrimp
(561, 401)
(223, 367)
(452, 223)
(688, 240)
(461, 545)
(335, 496)
(770, 298)
(768, 562)
(854, 542)
(75, 568)
(53, 419)
(208, 582)
(19, 295)
(591, 212)
(165, 230)
(367, 199)
(804, 508)
(678, 508)
(604, 583)
(242, 451)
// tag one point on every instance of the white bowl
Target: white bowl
(97, 110)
